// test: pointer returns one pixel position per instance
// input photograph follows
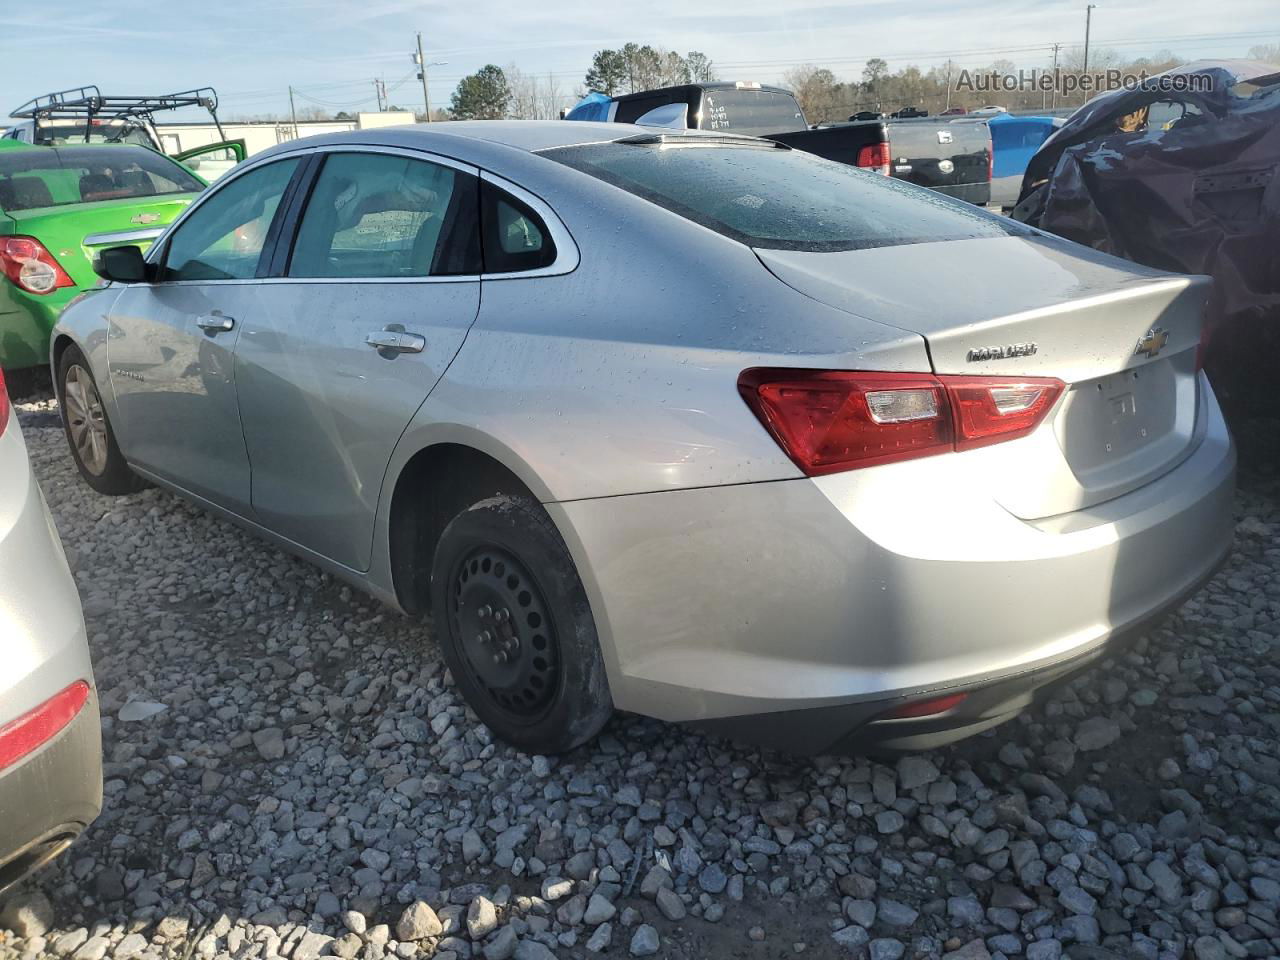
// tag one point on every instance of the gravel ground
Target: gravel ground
(312, 785)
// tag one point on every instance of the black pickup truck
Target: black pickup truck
(949, 154)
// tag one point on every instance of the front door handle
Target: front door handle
(396, 341)
(215, 323)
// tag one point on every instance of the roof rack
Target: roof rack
(88, 104)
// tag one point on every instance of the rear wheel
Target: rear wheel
(89, 434)
(515, 626)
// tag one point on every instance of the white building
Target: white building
(259, 135)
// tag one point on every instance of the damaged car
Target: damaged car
(1179, 173)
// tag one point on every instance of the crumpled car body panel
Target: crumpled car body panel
(1199, 197)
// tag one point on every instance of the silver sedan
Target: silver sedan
(50, 739)
(689, 425)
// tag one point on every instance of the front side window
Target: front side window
(381, 215)
(224, 237)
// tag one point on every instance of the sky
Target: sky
(330, 51)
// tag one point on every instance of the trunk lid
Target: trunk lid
(1040, 308)
(73, 233)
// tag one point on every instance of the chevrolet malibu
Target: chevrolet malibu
(50, 744)
(690, 425)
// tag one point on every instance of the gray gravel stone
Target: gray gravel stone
(1096, 733)
(885, 948)
(482, 918)
(598, 910)
(601, 939)
(418, 922)
(28, 914)
(645, 941)
(503, 944)
(670, 904)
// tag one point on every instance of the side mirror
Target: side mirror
(121, 265)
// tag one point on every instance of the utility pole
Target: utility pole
(377, 92)
(1056, 47)
(422, 66)
(294, 114)
(1088, 17)
(948, 83)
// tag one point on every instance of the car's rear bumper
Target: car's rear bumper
(49, 797)
(854, 594)
(54, 792)
(865, 726)
(26, 321)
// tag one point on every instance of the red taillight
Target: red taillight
(874, 156)
(37, 727)
(30, 266)
(926, 708)
(989, 409)
(4, 405)
(833, 420)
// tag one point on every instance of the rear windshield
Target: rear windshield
(751, 112)
(780, 199)
(55, 133)
(56, 176)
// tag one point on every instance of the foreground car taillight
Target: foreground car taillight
(833, 420)
(31, 267)
(874, 156)
(37, 727)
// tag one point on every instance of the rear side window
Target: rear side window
(631, 110)
(779, 199)
(222, 239)
(382, 215)
(52, 177)
(515, 238)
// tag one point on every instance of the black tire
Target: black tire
(535, 676)
(110, 474)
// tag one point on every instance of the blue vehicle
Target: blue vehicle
(1015, 141)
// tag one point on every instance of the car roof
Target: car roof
(526, 135)
(486, 143)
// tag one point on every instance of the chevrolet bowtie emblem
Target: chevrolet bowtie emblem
(146, 218)
(1153, 342)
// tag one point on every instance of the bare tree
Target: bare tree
(552, 98)
(1266, 52)
(817, 90)
(525, 94)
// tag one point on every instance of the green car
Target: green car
(58, 206)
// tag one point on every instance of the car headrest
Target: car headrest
(23, 193)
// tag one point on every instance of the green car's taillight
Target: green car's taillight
(30, 266)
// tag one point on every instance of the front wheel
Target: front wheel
(89, 434)
(515, 626)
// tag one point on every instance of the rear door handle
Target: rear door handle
(215, 323)
(396, 341)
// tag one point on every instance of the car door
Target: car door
(171, 342)
(370, 305)
(213, 160)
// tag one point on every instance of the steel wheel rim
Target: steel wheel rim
(505, 631)
(86, 422)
